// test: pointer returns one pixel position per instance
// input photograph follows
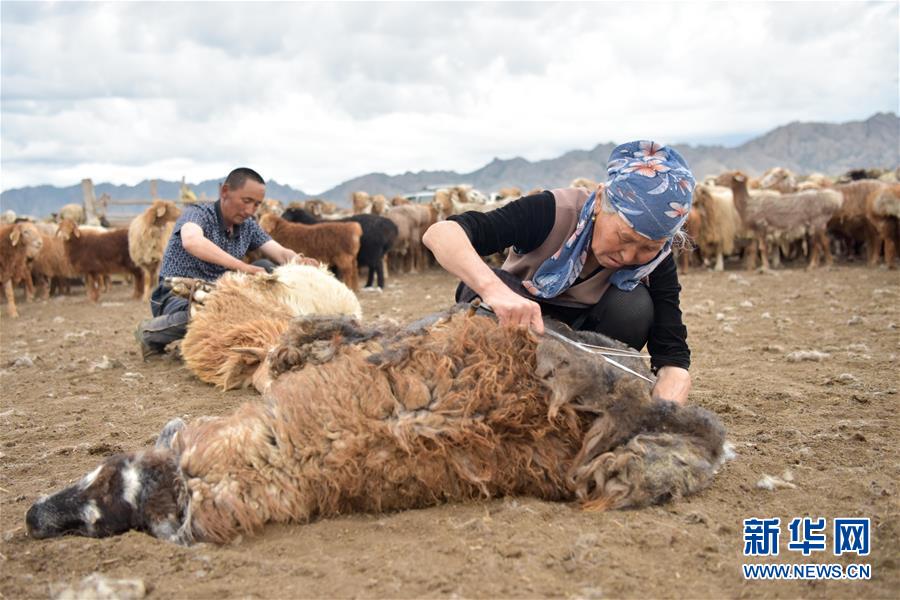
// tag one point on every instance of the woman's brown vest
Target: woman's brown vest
(569, 202)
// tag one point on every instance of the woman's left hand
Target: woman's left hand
(672, 383)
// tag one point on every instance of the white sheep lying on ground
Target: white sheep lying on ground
(243, 316)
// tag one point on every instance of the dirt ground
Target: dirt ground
(831, 423)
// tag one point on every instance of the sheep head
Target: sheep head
(269, 222)
(143, 491)
(164, 211)
(68, 229)
(27, 234)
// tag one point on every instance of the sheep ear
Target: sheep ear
(14, 236)
(167, 435)
(258, 355)
(76, 231)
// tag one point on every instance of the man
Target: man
(207, 241)
(599, 262)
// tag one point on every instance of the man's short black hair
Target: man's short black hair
(237, 178)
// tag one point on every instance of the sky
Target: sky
(313, 94)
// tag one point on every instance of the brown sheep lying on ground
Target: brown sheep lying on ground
(335, 244)
(96, 254)
(19, 242)
(148, 235)
(453, 408)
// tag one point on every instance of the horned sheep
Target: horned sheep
(452, 409)
(148, 235)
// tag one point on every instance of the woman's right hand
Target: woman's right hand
(513, 309)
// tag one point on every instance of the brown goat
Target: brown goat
(148, 235)
(96, 254)
(335, 244)
(19, 242)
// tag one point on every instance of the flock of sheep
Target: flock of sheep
(775, 217)
(782, 216)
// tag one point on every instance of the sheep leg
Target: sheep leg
(354, 273)
(883, 236)
(814, 254)
(138, 275)
(379, 272)
(720, 260)
(348, 272)
(890, 252)
(750, 256)
(28, 282)
(97, 283)
(825, 243)
(873, 246)
(10, 298)
(44, 284)
(151, 274)
(763, 251)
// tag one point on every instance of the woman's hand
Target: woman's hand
(672, 383)
(513, 309)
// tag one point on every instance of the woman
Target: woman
(599, 261)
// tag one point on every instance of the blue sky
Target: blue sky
(312, 94)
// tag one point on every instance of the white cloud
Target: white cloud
(312, 94)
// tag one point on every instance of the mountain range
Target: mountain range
(830, 148)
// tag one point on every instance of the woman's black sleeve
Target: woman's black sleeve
(668, 335)
(524, 223)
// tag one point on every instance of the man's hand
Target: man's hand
(299, 259)
(251, 269)
(513, 309)
(672, 383)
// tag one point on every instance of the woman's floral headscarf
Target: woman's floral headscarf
(650, 187)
